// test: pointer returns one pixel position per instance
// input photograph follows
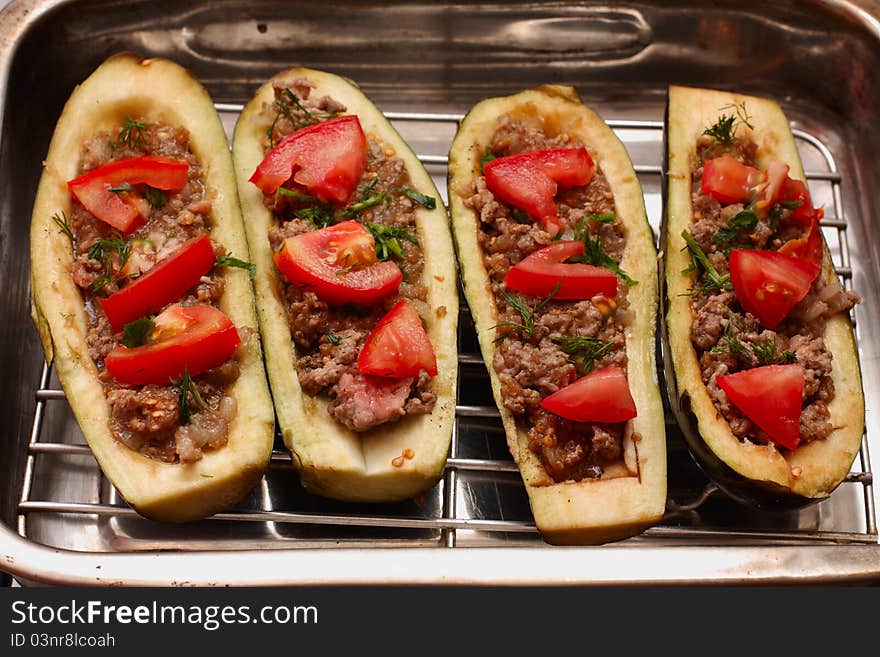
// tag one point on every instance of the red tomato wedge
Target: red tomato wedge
(769, 284)
(127, 210)
(777, 175)
(530, 180)
(165, 282)
(539, 273)
(338, 263)
(194, 338)
(327, 158)
(398, 346)
(729, 180)
(808, 247)
(771, 397)
(600, 396)
(794, 192)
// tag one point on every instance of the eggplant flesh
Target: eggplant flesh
(155, 90)
(331, 460)
(752, 473)
(590, 511)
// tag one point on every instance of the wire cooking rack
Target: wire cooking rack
(690, 515)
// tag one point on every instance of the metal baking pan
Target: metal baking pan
(425, 64)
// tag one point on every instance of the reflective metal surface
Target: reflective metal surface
(425, 64)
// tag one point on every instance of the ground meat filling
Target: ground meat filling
(728, 339)
(532, 364)
(328, 339)
(147, 418)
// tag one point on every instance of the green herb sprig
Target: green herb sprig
(135, 333)
(387, 239)
(761, 352)
(723, 131)
(767, 353)
(708, 277)
(594, 254)
(526, 313)
(103, 251)
(63, 225)
(288, 102)
(132, 133)
(227, 260)
(584, 351)
(186, 389)
(725, 237)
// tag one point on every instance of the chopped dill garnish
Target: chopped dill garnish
(733, 346)
(723, 130)
(594, 254)
(584, 351)
(104, 251)
(63, 225)
(186, 389)
(333, 339)
(525, 312)
(320, 216)
(287, 103)
(706, 273)
(767, 353)
(761, 352)
(132, 132)
(121, 189)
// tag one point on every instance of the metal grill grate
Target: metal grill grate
(689, 515)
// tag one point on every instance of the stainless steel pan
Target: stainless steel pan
(425, 64)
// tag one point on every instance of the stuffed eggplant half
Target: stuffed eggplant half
(141, 292)
(356, 288)
(761, 360)
(560, 273)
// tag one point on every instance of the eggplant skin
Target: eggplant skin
(331, 460)
(756, 475)
(159, 91)
(613, 507)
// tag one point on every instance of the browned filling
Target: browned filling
(728, 339)
(328, 339)
(532, 364)
(148, 418)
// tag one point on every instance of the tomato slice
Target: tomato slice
(327, 158)
(194, 338)
(127, 210)
(600, 396)
(808, 247)
(729, 180)
(398, 346)
(771, 397)
(165, 282)
(795, 191)
(338, 263)
(769, 284)
(530, 180)
(539, 274)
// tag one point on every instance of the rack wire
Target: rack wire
(683, 521)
